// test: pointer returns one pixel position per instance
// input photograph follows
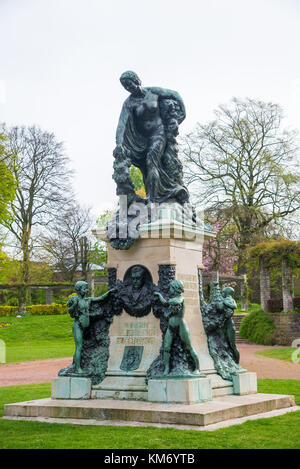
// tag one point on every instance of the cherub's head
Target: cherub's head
(176, 288)
(81, 288)
(227, 291)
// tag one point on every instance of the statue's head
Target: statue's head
(227, 291)
(137, 277)
(81, 287)
(131, 82)
(176, 288)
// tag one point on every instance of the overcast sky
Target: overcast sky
(61, 61)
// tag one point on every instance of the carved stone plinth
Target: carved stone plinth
(168, 248)
(244, 383)
(181, 390)
(71, 388)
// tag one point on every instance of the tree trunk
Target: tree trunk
(265, 288)
(24, 271)
(84, 256)
(244, 296)
(287, 287)
(22, 290)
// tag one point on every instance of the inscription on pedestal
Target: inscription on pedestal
(137, 333)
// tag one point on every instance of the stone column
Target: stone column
(244, 302)
(287, 287)
(91, 282)
(265, 288)
(48, 296)
(214, 276)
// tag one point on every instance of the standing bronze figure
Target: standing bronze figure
(146, 134)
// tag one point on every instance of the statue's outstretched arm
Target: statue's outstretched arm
(162, 300)
(102, 297)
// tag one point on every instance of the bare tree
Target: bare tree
(68, 242)
(42, 180)
(243, 163)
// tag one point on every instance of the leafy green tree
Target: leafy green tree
(42, 178)
(7, 182)
(136, 177)
(244, 163)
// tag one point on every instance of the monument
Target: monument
(151, 349)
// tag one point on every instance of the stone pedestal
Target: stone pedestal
(188, 390)
(134, 345)
(245, 383)
(71, 388)
(161, 243)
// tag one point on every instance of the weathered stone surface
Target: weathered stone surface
(180, 390)
(81, 388)
(289, 323)
(245, 383)
(182, 253)
(206, 413)
(61, 388)
(71, 388)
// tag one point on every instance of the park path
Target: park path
(267, 367)
(31, 372)
(43, 371)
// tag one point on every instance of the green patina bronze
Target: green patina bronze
(146, 138)
(80, 309)
(177, 327)
(147, 130)
(219, 327)
(132, 357)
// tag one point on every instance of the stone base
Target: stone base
(122, 386)
(245, 383)
(189, 390)
(219, 410)
(71, 388)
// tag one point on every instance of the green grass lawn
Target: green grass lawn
(251, 307)
(37, 337)
(281, 432)
(279, 353)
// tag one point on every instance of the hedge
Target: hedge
(36, 310)
(257, 327)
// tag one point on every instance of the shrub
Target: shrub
(257, 327)
(42, 310)
(279, 337)
(36, 310)
(8, 310)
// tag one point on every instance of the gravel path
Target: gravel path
(31, 372)
(43, 371)
(267, 367)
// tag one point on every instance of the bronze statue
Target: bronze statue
(176, 324)
(219, 327)
(79, 309)
(146, 133)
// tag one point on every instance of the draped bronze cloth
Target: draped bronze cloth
(156, 155)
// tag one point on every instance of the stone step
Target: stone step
(207, 413)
